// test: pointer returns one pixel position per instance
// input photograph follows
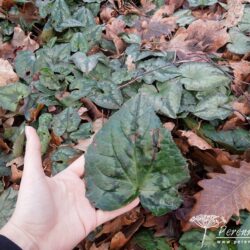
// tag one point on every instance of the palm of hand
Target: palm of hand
(54, 212)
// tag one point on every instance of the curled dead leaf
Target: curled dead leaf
(83, 144)
(23, 42)
(7, 74)
(194, 140)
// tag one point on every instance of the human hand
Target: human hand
(53, 213)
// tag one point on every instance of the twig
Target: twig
(151, 71)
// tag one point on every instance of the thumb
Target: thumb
(104, 216)
(32, 161)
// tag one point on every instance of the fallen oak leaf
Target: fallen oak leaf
(205, 36)
(224, 194)
(155, 26)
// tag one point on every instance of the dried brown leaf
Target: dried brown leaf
(23, 42)
(200, 37)
(194, 140)
(235, 13)
(7, 74)
(224, 194)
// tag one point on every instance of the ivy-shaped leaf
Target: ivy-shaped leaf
(11, 94)
(192, 241)
(61, 158)
(196, 3)
(202, 76)
(24, 65)
(236, 140)
(166, 98)
(240, 43)
(146, 240)
(133, 156)
(85, 63)
(66, 121)
(7, 205)
(213, 106)
(43, 131)
(107, 95)
(59, 13)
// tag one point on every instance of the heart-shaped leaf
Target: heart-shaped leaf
(133, 156)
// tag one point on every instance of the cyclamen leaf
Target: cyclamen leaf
(11, 94)
(214, 106)
(192, 241)
(240, 43)
(124, 161)
(146, 240)
(107, 95)
(67, 121)
(244, 228)
(196, 3)
(85, 63)
(43, 132)
(202, 76)
(7, 204)
(60, 12)
(166, 99)
(61, 158)
(237, 139)
(24, 65)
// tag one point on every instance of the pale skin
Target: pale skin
(53, 213)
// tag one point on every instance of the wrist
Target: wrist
(23, 239)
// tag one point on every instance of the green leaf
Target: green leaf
(192, 240)
(146, 240)
(11, 94)
(107, 95)
(59, 13)
(236, 140)
(157, 70)
(184, 17)
(244, 24)
(24, 65)
(66, 121)
(132, 155)
(7, 205)
(244, 228)
(131, 38)
(84, 16)
(61, 158)
(240, 43)
(196, 3)
(79, 42)
(4, 159)
(85, 63)
(213, 106)
(165, 97)
(43, 130)
(84, 132)
(202, 76)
